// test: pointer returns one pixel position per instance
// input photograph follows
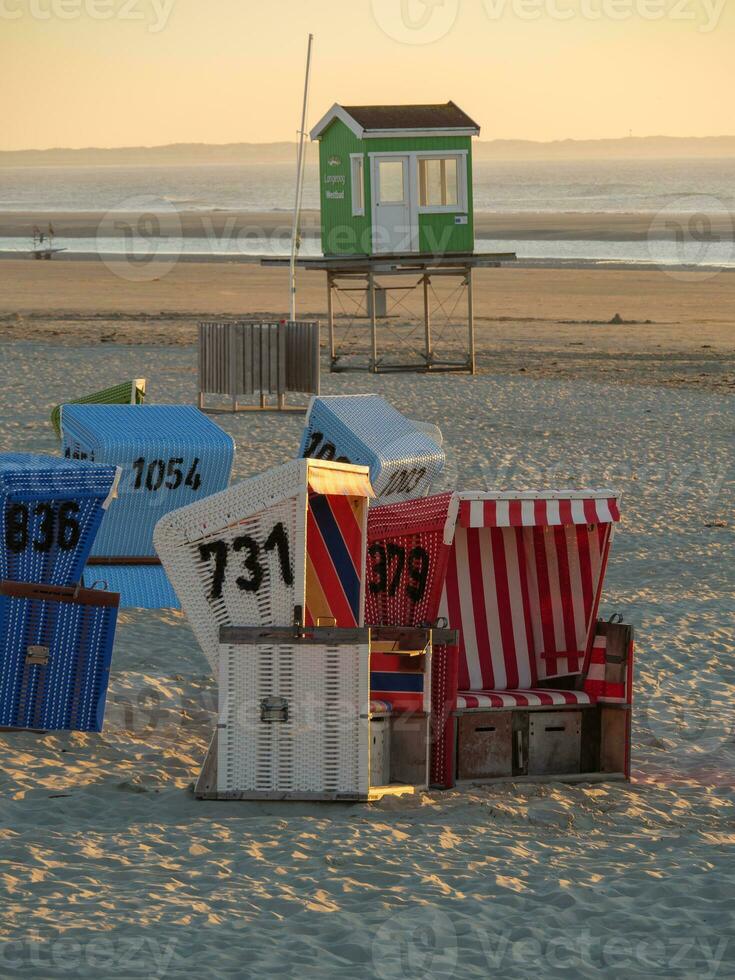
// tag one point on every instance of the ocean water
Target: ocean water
(580, 186)
(640, 186)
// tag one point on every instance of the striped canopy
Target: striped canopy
(476, 510)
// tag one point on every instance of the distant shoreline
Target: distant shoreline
(518, 225)
(501, 150)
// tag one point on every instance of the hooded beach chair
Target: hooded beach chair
(55, 653)
(531, 688)
(287, 545)
(276, 566)
(127, 393)
(403, 458)
(170, 455)
(50, 512)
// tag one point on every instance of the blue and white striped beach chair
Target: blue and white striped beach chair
(55, 653)
(50, 511)
(366, 430)
(171, 456)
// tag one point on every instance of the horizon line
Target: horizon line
(270, 143)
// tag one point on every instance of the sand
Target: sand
(110, 867)
(677, 330)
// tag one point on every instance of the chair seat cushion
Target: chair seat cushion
(532, 698)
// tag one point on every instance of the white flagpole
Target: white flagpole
(299, 181)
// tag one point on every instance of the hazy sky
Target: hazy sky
(129, 72)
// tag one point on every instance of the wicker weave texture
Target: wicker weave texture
(50, 512)
(321, 745)
(366, 430)
(139, 586)
(170, 455)
(406, 562)
(127, 393)
(69, 692)
(238, 557)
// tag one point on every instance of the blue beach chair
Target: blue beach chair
(50, 511)
(366, 430)
(171, 456)
(55, 653)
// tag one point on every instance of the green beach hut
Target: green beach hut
(396, 179)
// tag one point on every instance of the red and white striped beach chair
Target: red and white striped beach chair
(536, 687)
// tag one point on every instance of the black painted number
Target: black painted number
(391, 564)
(54, 526)
(404, 481)
(165, 473)
(320, 448)
(249, 552)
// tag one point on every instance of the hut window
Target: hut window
(358, 184)
(438, 182)
(390, 181)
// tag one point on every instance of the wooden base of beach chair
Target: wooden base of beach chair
(205, 787)
(509, 744)
(27, 731)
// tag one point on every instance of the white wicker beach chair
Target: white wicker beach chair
(403, 457)
(298, 719)
(286, 545)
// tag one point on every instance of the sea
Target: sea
(698, 188)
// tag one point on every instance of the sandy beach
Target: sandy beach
(111, 868)
(676, 330)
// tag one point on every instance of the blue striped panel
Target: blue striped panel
(343, 564)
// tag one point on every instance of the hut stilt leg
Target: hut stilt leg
(373, 323)
(471, 320)
(427, 322)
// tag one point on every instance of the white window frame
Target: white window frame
(412, 191)
(357, 162)
(462, 203)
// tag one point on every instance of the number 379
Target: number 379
(391, 564)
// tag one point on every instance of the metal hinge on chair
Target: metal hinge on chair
(37, 656)
(274, 709)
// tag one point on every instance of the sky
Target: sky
(148, 72)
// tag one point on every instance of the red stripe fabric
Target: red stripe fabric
(346, 518)
(482, 637)
(593, 511)
(506, 623)
(328, 577)
(536, 697)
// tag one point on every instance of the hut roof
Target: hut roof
(377, 120)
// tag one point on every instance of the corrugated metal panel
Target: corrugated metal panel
(267, 358)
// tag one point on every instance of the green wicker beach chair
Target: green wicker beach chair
(127, 393)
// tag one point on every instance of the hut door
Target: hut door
(394, 224)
